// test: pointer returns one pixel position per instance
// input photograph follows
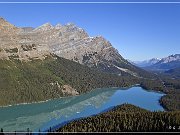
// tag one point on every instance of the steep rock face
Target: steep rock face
(19, 43)
(75, 44)
(6, 27)
(67, 41)
(86, 51)
(8, 38)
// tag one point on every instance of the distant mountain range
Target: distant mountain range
(146, 63)
(163, 64)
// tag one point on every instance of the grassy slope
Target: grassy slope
(125, 118)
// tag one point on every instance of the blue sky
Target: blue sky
(138, 31)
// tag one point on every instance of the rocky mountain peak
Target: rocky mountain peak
(154, 60)
(170, 58)
(166, 63)
(2, 20)
(70, 24)
(72, 27)
(67, 41)
(44, 27)
(58, 26)
(146, 63)
(6, 26)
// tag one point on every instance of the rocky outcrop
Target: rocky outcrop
(67, 89)
(18, 43)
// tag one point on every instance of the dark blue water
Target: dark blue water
(55, 112)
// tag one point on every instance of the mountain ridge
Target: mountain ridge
(146, 63)
(55, 61)
(167, 63)
(67, 41)
(161, 64)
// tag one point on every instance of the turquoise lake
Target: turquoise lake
(43, 115)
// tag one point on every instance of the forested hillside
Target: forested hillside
(126, 118)
(39, 80)
(171, 101)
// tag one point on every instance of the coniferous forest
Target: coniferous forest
(126, 118)
(46, 72)
(27, 77)
(31, 81)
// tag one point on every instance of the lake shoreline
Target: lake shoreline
(54, 128)
(43, 101)
(57, 113)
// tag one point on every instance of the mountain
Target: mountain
(47, 62)
(167, 63)
(146, 63)
(67, 41)
(156, 64)
(53, 77)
